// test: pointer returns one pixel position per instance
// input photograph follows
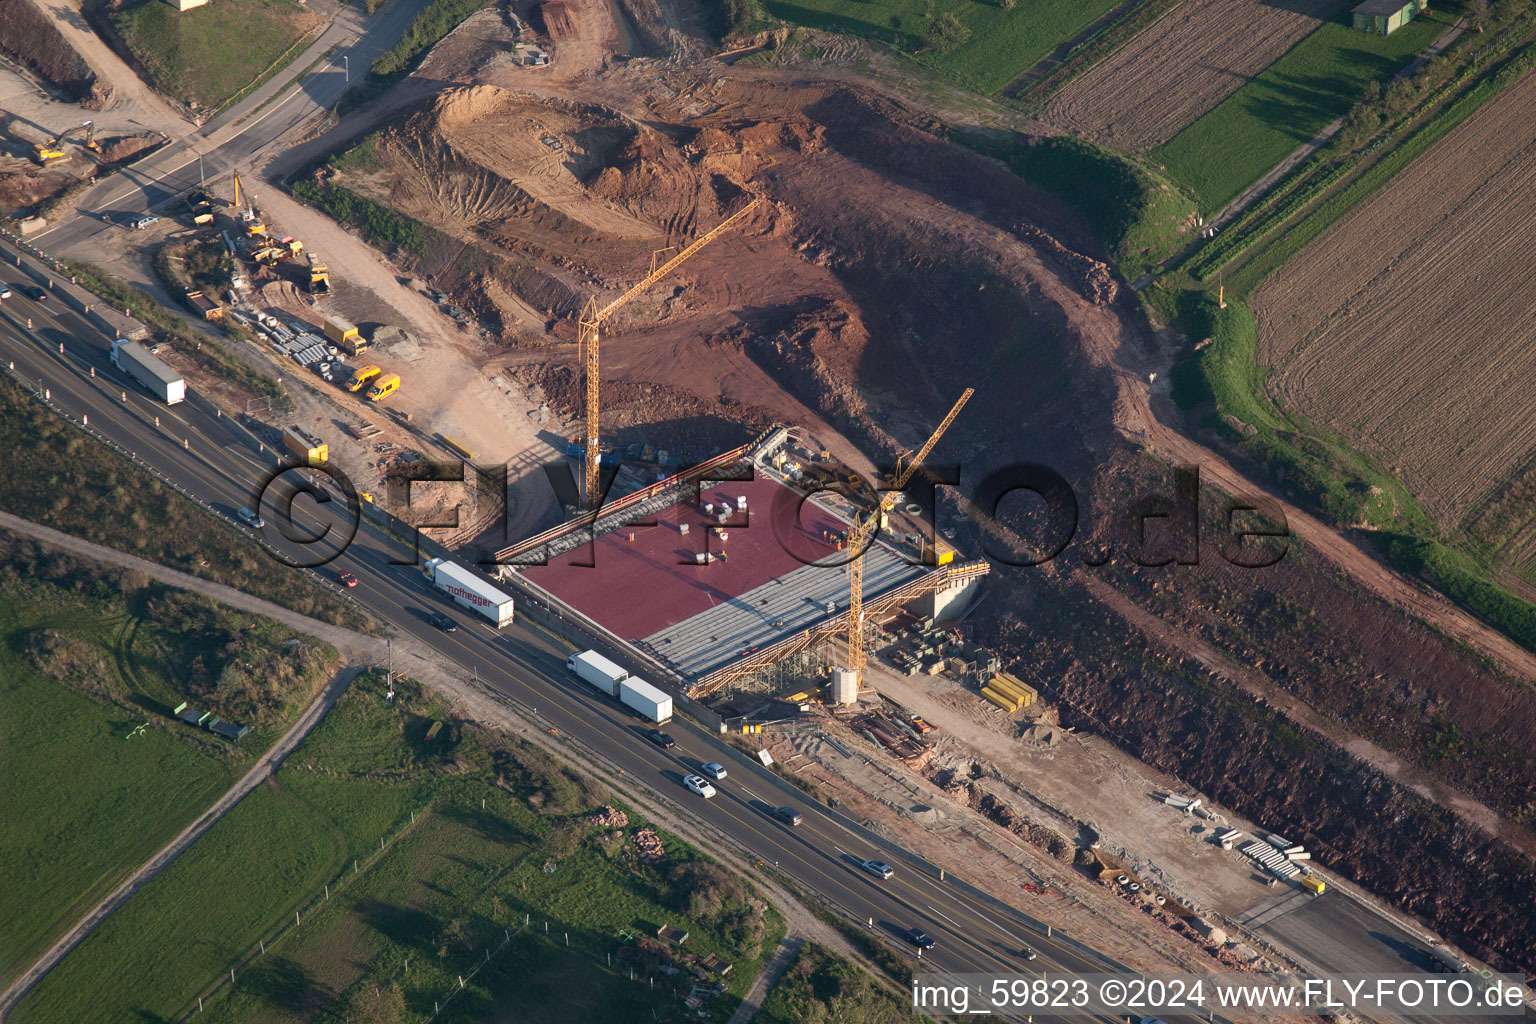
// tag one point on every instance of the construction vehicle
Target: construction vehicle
(294, 247)
(860, 537)
(384, 387)
(52, 151)
(319, 275)
(249, 218)
(587, 344)
(267, 255)
(362, 375)
(200, 207)
(344, 334)
(210, 309)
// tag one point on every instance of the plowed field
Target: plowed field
(1146, 92)
(1408, 327)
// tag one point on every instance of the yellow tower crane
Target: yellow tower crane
(587, 342)
(864, 531)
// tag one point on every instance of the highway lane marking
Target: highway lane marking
(944, 916)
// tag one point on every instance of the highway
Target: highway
(233, 140)
(218, 462)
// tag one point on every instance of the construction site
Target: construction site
(749, 306)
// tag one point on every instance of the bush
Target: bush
(704, 891)
(946, 33)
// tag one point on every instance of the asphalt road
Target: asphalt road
(218, 462)
(346, 50)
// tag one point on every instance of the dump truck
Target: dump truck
(142, 365)
(361, 376)
(200, 207)
(652, 704)
(597, 671)
(383, 387)
(345, 335)
(470, 591)
(210, 309)
(305, 445)
(319, 275)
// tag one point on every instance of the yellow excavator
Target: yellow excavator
(52, 151)
(248, 215)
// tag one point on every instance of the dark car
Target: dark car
(443, 622)
(32, 291)
(919, 938)
(788, 815)
(661, 739)
(346, 579)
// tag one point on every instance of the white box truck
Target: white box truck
(470, 591)
(641, 696)
(139, 363)
(598, 671)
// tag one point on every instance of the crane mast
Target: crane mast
(865, 530)
(590, 330)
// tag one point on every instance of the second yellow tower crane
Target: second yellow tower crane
(587, 344)
(861, 535)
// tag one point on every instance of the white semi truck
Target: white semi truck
(142, 365)
(597, 671)
(611, 680)
(470, 591)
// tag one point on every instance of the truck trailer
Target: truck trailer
(139, 363)
(597, 671)
(641, 696)
(470, 591)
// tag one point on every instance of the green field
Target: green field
(89, 654)
(206, 55)
(1257, 127)
(499, 832)
(1003, 44)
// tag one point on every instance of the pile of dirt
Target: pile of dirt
(122, 149)
(1094, 279)
(28, 36)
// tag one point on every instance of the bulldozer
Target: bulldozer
(51, 152)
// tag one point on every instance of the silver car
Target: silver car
(879, 868)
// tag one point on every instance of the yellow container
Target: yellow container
(1003, 702)
(1315, 884)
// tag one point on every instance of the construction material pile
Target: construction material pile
(609, 817)
(649, 845)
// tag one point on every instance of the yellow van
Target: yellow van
(362, 376)
(384, 387)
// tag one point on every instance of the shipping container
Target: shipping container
(139, 363)
(650, 702)
(1313, 883)
(470, 590)
(597, 671)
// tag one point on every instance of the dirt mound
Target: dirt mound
(120, 149)
(1093, 279)
(28, 37)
